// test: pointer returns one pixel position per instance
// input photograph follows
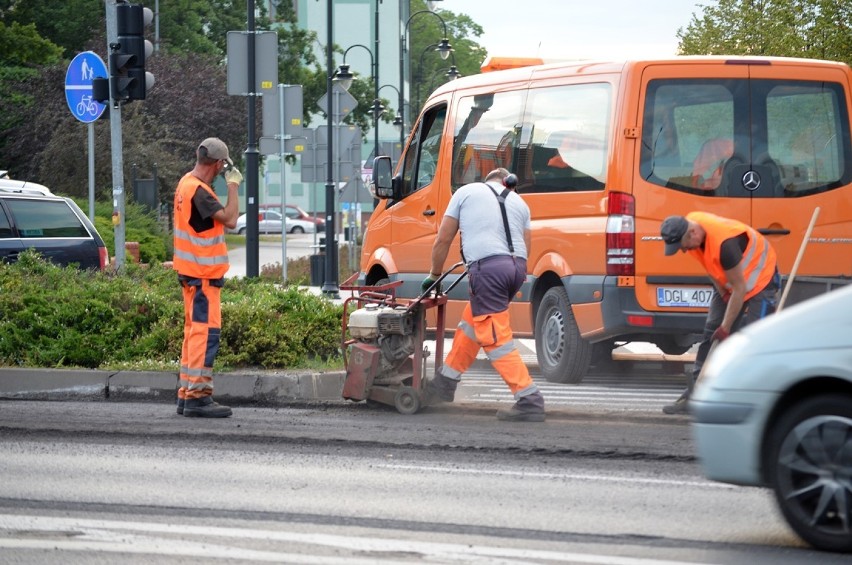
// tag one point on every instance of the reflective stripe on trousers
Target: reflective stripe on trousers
(492, 333)
(201, 329)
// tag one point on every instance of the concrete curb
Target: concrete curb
(260, 387)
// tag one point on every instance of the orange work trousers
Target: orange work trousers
(202, 325)
(492, 333)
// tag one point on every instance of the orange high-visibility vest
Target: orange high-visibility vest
(758, 261)
(202, 255)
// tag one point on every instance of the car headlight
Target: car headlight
(725, 354)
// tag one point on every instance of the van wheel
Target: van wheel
(563, 355)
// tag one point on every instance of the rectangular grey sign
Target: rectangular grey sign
(265, 62)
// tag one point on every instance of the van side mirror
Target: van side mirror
(382, 178)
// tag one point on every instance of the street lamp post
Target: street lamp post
(329, 285)
(345, 77)
(443, 47)
(452, 73)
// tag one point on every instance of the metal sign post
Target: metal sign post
(252, 72)
(78, 94)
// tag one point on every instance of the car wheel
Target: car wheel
(297, 229)
(242, 231)
(563, 355)
(810, 470)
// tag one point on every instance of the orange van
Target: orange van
(604, 152)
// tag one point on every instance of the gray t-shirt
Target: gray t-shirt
(481, 224)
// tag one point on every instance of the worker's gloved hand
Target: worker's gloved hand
(427, 282)
(233, 175)
(720, 334)
(726, 297)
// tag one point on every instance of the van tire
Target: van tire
(563, 356)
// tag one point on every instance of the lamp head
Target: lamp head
(444, 48)
(344, 76)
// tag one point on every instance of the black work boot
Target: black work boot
(180, 404)
(440, 389)
(529, 408)
(205, 408)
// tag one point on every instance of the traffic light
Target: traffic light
(128, 78)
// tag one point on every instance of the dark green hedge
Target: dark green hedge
(61, 317)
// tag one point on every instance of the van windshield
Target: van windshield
(701, 135)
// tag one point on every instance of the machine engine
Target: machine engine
(391, 330)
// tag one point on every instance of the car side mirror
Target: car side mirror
(382, 185)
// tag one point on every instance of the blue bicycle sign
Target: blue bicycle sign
(83, 69)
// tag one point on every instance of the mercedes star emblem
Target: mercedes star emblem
(751, 180)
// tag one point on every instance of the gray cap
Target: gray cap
(216, 149)
(672, 231)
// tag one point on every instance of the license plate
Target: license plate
(684, 297)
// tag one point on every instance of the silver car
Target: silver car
(774, 408)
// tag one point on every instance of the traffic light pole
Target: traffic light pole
(116, 149)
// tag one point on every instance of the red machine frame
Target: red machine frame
(405, 390)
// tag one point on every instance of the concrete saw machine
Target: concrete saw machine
(383, 340)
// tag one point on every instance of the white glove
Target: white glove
(233, 175)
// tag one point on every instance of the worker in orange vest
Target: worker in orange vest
(743, 268)
(201, 261)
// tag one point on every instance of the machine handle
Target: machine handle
(428, 212)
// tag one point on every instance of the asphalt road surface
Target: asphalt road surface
(606, 480)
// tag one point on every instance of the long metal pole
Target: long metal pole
(283, 186)
(329, 286)
(91, 171)
(117, 144)
(376, 88)
(251, 153)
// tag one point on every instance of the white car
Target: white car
(269, 221)
(774, 408)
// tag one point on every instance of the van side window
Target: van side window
(45, 219)
(421, 159)
(566, 147)
(487, 135)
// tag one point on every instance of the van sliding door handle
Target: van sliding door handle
(429, 212)
(773, 231)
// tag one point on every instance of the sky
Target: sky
(571, 29)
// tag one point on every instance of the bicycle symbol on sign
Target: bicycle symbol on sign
(86, 104)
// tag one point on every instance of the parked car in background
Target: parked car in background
(294, 212)
(269, 221)
(774, 408)
(31, 217)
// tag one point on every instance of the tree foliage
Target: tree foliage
(819, 29)
(42, 141)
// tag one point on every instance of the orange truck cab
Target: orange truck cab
(604, 151)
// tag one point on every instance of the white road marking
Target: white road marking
(560, 476)
(111, 536)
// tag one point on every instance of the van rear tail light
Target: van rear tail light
(103, 255)
(620, 234)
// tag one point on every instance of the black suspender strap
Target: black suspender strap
(501, 198)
